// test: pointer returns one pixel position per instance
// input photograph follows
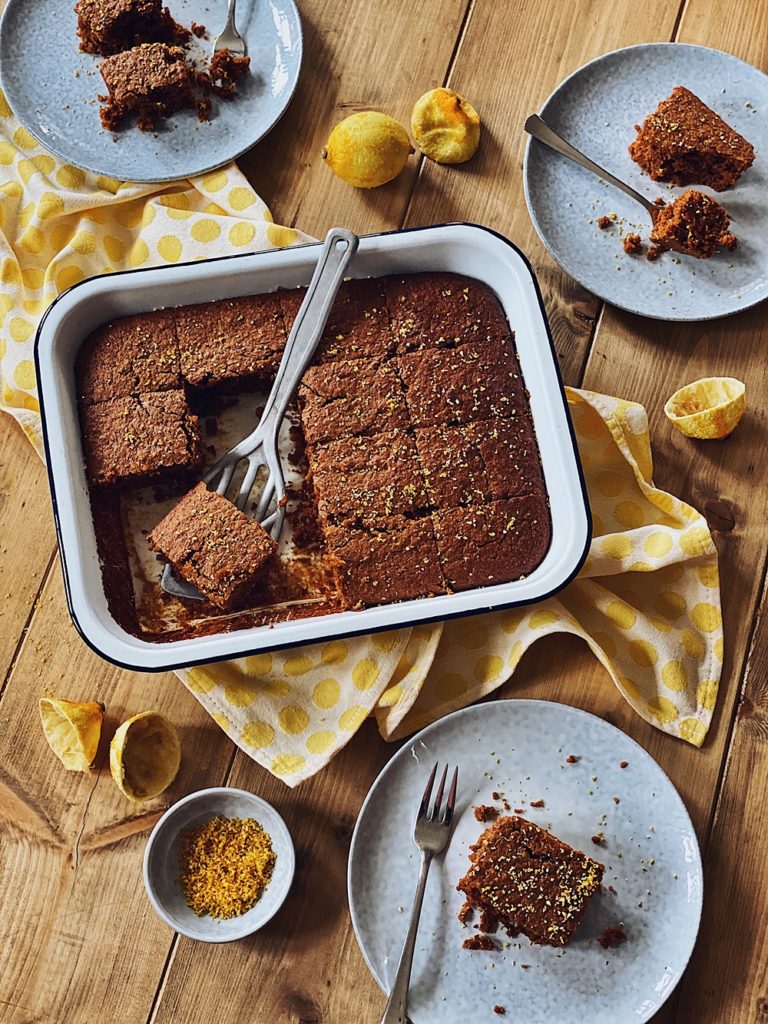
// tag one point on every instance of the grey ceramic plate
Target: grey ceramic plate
(596, 109)
(52, 88)
(519, 748)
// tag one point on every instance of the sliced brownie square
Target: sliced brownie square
(230, 343)
(379, 475)
(140, 438)
(387, 559)
(348, 397)
(442, 310)
(128, 356)
(493, 543)
(152, 81)
(530, 881)
(111, 26)
(358, 324)
(213, 545)
(477, 381)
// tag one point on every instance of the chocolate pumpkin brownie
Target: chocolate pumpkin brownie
(358, 324)
(140, 438)
(492, 543)
(480, 461)
(230, 343)
(350, 397)
(477, 381)
(151, 80)
(385, 559)
(128, 356)
(371, 476)
(213, 545)
(685, 142)
(112, 26)
(530, 881)
(442, 309)
(694, 224)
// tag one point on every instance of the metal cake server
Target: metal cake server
(259, 450)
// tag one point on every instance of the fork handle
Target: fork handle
(397, 1004)
(338, 249)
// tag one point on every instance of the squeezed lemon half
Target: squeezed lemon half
(144, 755)
(445, 126)
(73, 730)
(708, 408)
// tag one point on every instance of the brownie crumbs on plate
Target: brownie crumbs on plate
(530, 880)
(466, 912)
(199, 30)
(654, 253)
(500, 1010)
(685, 142)
(624, 764)
(694, 224)
(113, 26)
(537, 803)
(604, 222)
(224, 72)
(479, 942)
(599, 839)
(151, 80)
(213, 545)
(613, 936)
(486, 813)
(572, 759)
(633, 245)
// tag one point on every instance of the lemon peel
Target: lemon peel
(367, 149)
(73, 730)
(445, 126)
(709, 408)
(144, 755)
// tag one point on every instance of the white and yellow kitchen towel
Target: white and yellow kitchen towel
(646, 601)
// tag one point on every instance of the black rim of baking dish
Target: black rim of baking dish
(138, 666)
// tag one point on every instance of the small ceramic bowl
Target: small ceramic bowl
(161, 866)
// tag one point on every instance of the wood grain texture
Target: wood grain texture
(81, 943)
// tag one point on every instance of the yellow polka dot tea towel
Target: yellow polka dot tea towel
(646, 600)
(59, 225)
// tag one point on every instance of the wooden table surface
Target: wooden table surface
(80, 943)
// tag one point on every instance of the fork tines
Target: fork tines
(435, 815)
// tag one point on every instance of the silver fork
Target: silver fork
(230, 39)
(259, 449)
(430, 834)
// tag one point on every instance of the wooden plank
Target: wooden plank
(357, 56)
(80, 940)
(25, 511)
(511, 57)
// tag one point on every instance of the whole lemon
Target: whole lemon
(367, 149)
(446, 128)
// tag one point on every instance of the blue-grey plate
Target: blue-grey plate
(52, 88)
(596, 109)
(519, 749)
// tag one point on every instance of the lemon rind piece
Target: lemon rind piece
(82, 720)
(707, 409)
(164, 768)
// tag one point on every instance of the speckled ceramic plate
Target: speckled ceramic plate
(519, 748)
(53, 87)
(596, 110)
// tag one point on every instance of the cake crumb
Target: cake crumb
(613, 936)
(500, 1010)
(486, 813)
(604, 222)
(633, 245)
(572, 759)
(537, 803)
(479, 942)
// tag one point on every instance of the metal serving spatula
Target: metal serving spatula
(259, 449)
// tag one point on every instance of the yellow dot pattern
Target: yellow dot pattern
(647, 597)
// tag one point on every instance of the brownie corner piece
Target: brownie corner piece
(386, 559)
(497, 542)
(213, 545)
(140, 438)
(530, 881)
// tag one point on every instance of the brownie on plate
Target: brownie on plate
(152, 81)
(695, 224)
(140, 438)
(128, 356)
(529, 881)
(112, 26)
(213, 545)
(686, 143)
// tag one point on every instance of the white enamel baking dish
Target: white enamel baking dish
(465, 248)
